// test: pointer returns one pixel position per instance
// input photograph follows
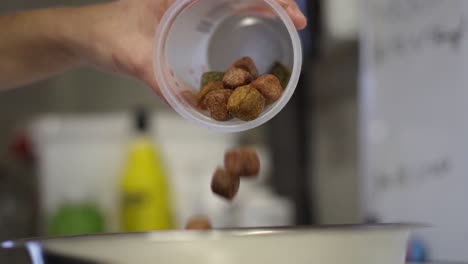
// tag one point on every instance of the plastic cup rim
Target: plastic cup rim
(200, 119)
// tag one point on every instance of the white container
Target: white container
(384, 244)
(195, 36)
(81, 156)
(262, 208)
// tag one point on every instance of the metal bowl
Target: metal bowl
(350, 244)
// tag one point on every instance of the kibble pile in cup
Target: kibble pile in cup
(240, 92)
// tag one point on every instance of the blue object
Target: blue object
(306, 35)
(417, 251)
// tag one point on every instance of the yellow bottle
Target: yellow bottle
(144, 190)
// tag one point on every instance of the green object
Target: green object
(282, 72)
(212, 76)
(77, 219)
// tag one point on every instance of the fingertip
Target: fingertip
(300, 24)
(299, 20)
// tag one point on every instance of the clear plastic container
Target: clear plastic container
(196, 36)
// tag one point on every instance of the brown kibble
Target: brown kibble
(246, 103)
(236, 77)
(247, 64)
(225, 184)
(216, 103)
(198, 223)
(269, 86)
(211, 86)
(242, 161)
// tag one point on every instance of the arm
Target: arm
(116, 36)
(32, 47)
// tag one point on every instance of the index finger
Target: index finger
(296, 15)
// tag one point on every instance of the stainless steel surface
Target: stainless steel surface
(353, 244)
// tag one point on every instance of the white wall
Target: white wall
(414, 102)
(342, 19)
(81, 157)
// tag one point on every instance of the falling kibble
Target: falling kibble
(242, 161)
(198, 223)
(225, 184)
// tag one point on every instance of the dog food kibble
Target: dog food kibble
(207, 88)
(247, 64)
(213, 76)
(216, 104)
(282, 73)
(250, 92)
(242, 161)
(225, 184)
(246, 103)
(198, 223)
(239, 162)
(269, 86)
(236, 77)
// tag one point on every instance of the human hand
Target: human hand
(298, 18)
(122, 35)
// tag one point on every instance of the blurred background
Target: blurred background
(373, 133)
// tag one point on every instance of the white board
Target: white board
(414, 102)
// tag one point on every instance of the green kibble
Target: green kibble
(213, 76)
(282, 72)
